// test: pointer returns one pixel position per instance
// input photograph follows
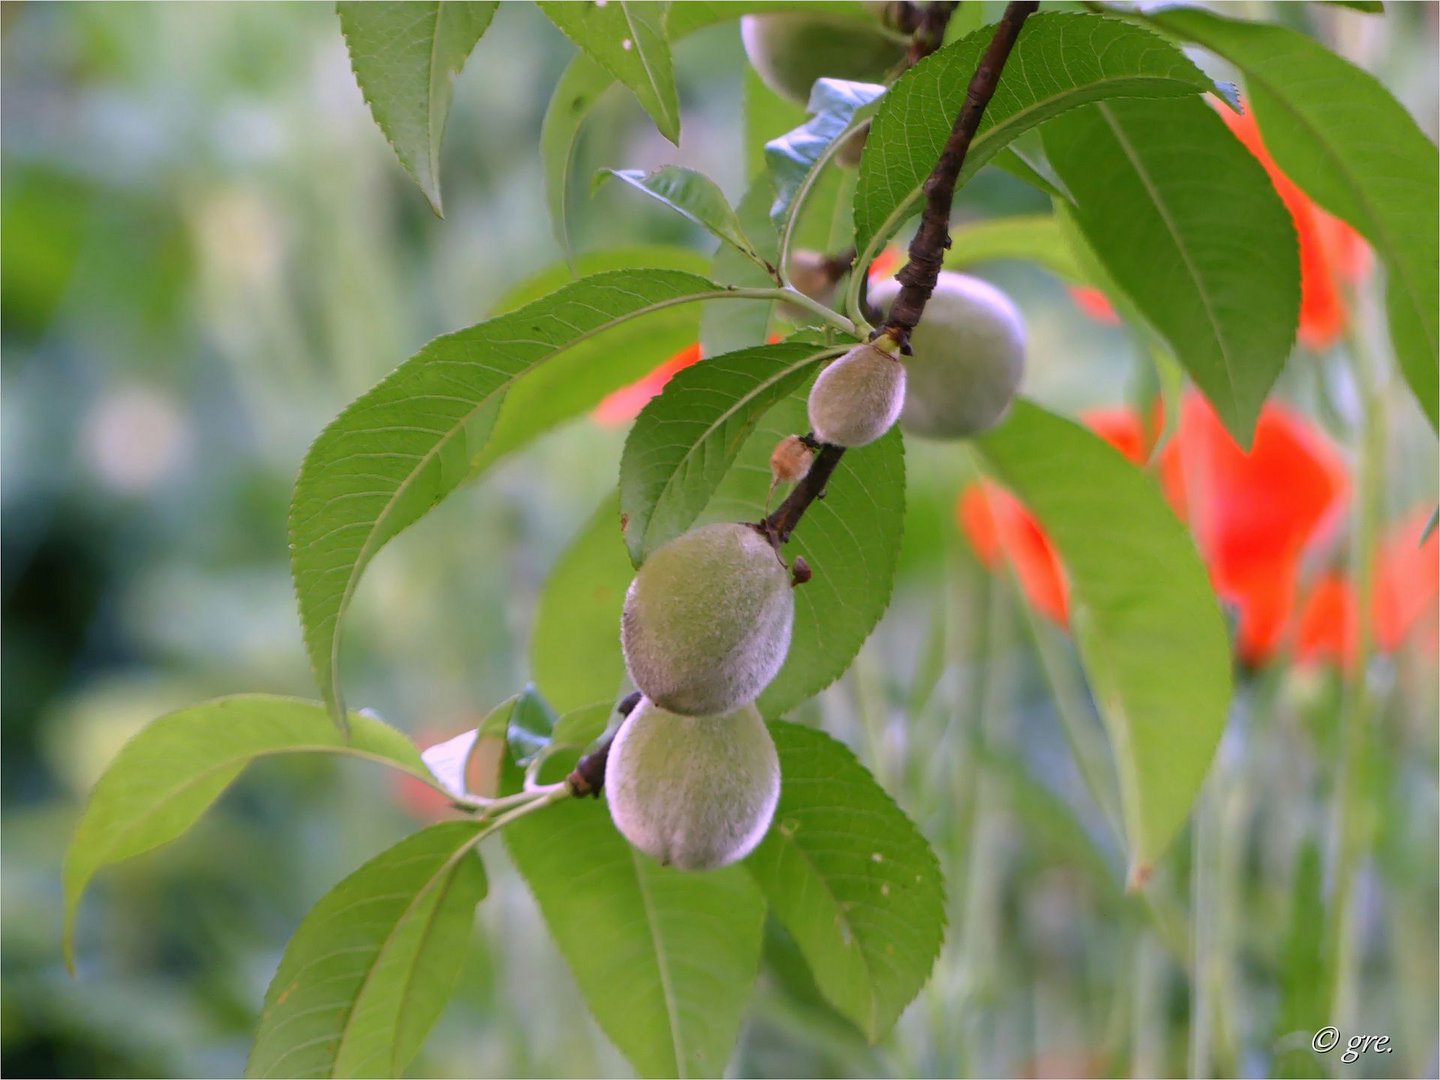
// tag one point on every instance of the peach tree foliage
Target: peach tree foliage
(1154, 201)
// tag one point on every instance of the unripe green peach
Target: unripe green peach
(790, 50)
(696, 792)
(858, 397)
(707, 620)
(968, 357)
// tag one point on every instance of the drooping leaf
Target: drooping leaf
(1148, 625)
(399, 449)
(665, 959)
(169, 774)
(627, 38)
(372, 965)
(685, 440)
(1059, 62)
(576, 93)
(1188, 224)
(851, 879)
(406, 57)
(1035, 238)
(1339, 134)
(1369, 7)
(694, 196)
(796, 159)
(850, 538)
(575, 645)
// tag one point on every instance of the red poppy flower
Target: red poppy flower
(1122, 429)
(1332, 254)
(623, 405)
(1407, 581)
(886, 264)
(1255, 513)
(1000, 527)
(1095, 304)
(1325, 630)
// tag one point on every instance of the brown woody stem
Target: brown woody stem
(588, 777)
(927, 250)
(930, 31)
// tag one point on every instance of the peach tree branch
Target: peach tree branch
(927, 250)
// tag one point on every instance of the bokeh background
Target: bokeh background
(208, 249)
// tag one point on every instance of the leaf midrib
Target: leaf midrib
(432, 144)
(662, 967)
(841, 919)
(1163, 210)
(447, 868)
(892, 220)
(640, 54)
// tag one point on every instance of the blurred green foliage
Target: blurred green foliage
(208, 250)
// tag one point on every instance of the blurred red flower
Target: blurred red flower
(1325, 628)
(623, 405)
(1406, 588)
(1257, 516)
(887, 264)
(1332, 254)
(1123, 429)
(1255, 513)
(1407, 581)
(417, 798)
(1094, 303)
(1000, 527)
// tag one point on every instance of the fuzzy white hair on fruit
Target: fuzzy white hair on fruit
(858, 397)
(695, 792)
(968, 357)
(707, 621)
